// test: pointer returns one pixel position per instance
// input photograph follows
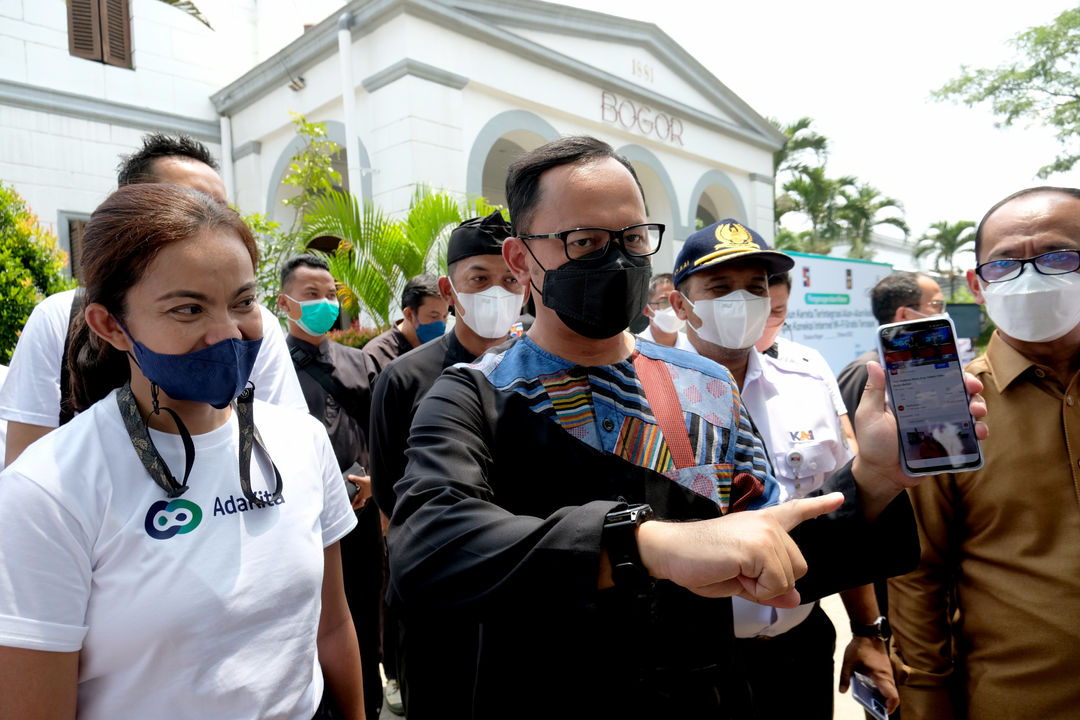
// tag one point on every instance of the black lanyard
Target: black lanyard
(155, 464)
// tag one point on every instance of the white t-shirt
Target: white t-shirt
(33, 394)
(793, 411)
(681, 341)
(797, 352)
(3, 423)
(176, 615)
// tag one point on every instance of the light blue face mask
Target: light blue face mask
(316, 316)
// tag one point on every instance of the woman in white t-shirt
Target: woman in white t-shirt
(172, 551)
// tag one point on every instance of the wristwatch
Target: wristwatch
(878, 629)
(620, 541)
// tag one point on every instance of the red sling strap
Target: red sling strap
(664, 402)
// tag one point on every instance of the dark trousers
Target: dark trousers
(791, 675)
(362, 569)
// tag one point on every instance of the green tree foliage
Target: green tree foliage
(378, 254)
(800, 138)
(188, 7)
(31, 267)
(943, 241)
(863, 209)
(1042, 86)
(816, 197)
(311, 172)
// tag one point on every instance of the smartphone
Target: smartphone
(866, 693)
(925, 387)
(351, 487)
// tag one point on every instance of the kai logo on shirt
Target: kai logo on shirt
(167, 518)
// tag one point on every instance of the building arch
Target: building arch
(502, 140)
(662, 202)
(335, 130)
(716, 197)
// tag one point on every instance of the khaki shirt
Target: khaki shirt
(992, 614)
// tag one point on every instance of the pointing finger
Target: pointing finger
(793, 512)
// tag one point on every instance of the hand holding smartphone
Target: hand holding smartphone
(925, 387)
(351, 487)
(866, 693)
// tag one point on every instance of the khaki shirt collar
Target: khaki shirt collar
(1006, 362)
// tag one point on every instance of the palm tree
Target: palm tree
(944, 240)
(815, 196)
(800, 138)
(861, 213)
(377, 254)
(189, 8)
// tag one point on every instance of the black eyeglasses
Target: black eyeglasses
(937, 306)
(1057, 262)
(636, 240)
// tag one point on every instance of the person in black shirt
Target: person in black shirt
(334, 380)
(486, 301)
(425, 319)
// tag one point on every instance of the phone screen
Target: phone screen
(926, 389)
(866, 693)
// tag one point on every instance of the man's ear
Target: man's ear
(283, 305)
(647, 311)
(105, 326)
(516, 256)
(445, 290)
(409, 315)
(679, 304)
(975, 286)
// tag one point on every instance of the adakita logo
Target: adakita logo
(165, 519)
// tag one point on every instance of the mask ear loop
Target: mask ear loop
(537, 261)
(144, 446)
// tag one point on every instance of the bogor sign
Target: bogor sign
(640, 118)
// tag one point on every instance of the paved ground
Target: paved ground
(845, 708)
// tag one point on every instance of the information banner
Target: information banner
(829, 309)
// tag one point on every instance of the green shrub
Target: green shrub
(31, 267)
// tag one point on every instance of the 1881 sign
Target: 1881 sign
(640, 118)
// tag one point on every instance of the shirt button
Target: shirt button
(1039, 372)
(608, 425)
(1069, 400)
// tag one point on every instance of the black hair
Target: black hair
(658, 280)
(523, 176)
(420, 287)
(1072, 192)
(138, 167)
(901, 289)
(783, 278)
(305, 260)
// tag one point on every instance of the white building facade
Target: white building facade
(443, 93)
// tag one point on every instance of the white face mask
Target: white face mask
(1034, 307)
(489, 313)
(667, 321)
(734, 321)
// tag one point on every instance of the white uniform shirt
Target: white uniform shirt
(199, 607)
(32, 394)
(681, 341)
(793, 410)
(792, 351)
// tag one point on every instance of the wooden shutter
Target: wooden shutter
(84, 29)
(116, 32)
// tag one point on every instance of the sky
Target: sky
(863, 70)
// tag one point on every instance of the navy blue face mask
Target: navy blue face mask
(215, 375)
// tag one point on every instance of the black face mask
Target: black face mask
(598, 296)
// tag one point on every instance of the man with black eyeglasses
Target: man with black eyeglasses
(986, 626)
(593, 500)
